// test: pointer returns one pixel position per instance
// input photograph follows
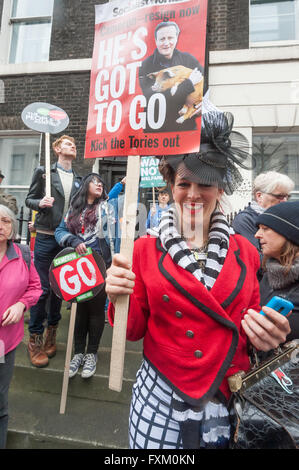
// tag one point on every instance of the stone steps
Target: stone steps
(50, 378)
(35, 423)
(95, 417)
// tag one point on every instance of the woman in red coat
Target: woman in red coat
(194, 299)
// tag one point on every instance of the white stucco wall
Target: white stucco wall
(260, 86)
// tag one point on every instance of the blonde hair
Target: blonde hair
(57, 142)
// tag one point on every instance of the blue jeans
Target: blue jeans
(49, 305)
(6, 372)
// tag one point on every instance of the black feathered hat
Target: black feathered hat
(221, 152)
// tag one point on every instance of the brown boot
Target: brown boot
(50, 341)
(37, 355)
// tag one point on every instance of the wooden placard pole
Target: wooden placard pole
(68, 358)
(126, 249)
(47, 164)
(154, 200)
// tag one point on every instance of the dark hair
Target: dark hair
(165, 24)
(167, 171)
(163, 191)
(79, 203)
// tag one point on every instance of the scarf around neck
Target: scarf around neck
(218, 244)
(257, 208)
(277, 277)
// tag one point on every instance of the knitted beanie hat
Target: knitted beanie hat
(283, 218)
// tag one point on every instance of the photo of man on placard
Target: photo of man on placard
(177, 75)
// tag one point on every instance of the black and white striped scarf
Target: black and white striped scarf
(181, 254)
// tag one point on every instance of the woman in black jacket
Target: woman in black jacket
(84, 226)
(278, 235)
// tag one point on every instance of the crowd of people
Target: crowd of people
(196, 284)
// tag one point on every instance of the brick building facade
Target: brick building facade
(64, 78)
(72, 39)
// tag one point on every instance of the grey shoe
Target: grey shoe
(75, 364)
(89, 365)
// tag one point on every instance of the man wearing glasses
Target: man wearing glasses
(269, 189)
(50, 210)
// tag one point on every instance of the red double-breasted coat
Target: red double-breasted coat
(193, 337)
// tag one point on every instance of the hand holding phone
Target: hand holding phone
(279, 304)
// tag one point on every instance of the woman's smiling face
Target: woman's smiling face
(195, 200)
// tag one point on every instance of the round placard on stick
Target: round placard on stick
(77, 278)
(45, 117)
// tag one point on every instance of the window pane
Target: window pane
(274, 21)
(30, 42)
(19, 157)
(31, 8)
(23, 211)
(277, 152)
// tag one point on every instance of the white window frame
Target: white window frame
(271, 131)
(7, 28)
(293, 42)
(16, 134)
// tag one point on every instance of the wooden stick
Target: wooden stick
(47, 164)
(126, 249)
(68, 358)
(154, 201)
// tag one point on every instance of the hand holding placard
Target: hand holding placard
(126, 249)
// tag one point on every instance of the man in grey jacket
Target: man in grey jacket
(269, 188)
(50, 210)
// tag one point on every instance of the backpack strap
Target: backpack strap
(26, 253)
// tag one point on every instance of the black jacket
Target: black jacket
(245, 224)
(48, 218)
(289, 292)
(157, 62)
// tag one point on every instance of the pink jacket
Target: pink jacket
(17, 284)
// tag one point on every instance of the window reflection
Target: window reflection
(274, 20)
(277, 152)
(31, 31)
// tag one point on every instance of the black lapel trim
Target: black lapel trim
(233, 347)
(240, 282)
(159, 246)
(187, 399)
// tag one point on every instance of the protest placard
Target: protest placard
(146, 95)
(150, 176)
(48, 119)
(143, 98)
(75, 278)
